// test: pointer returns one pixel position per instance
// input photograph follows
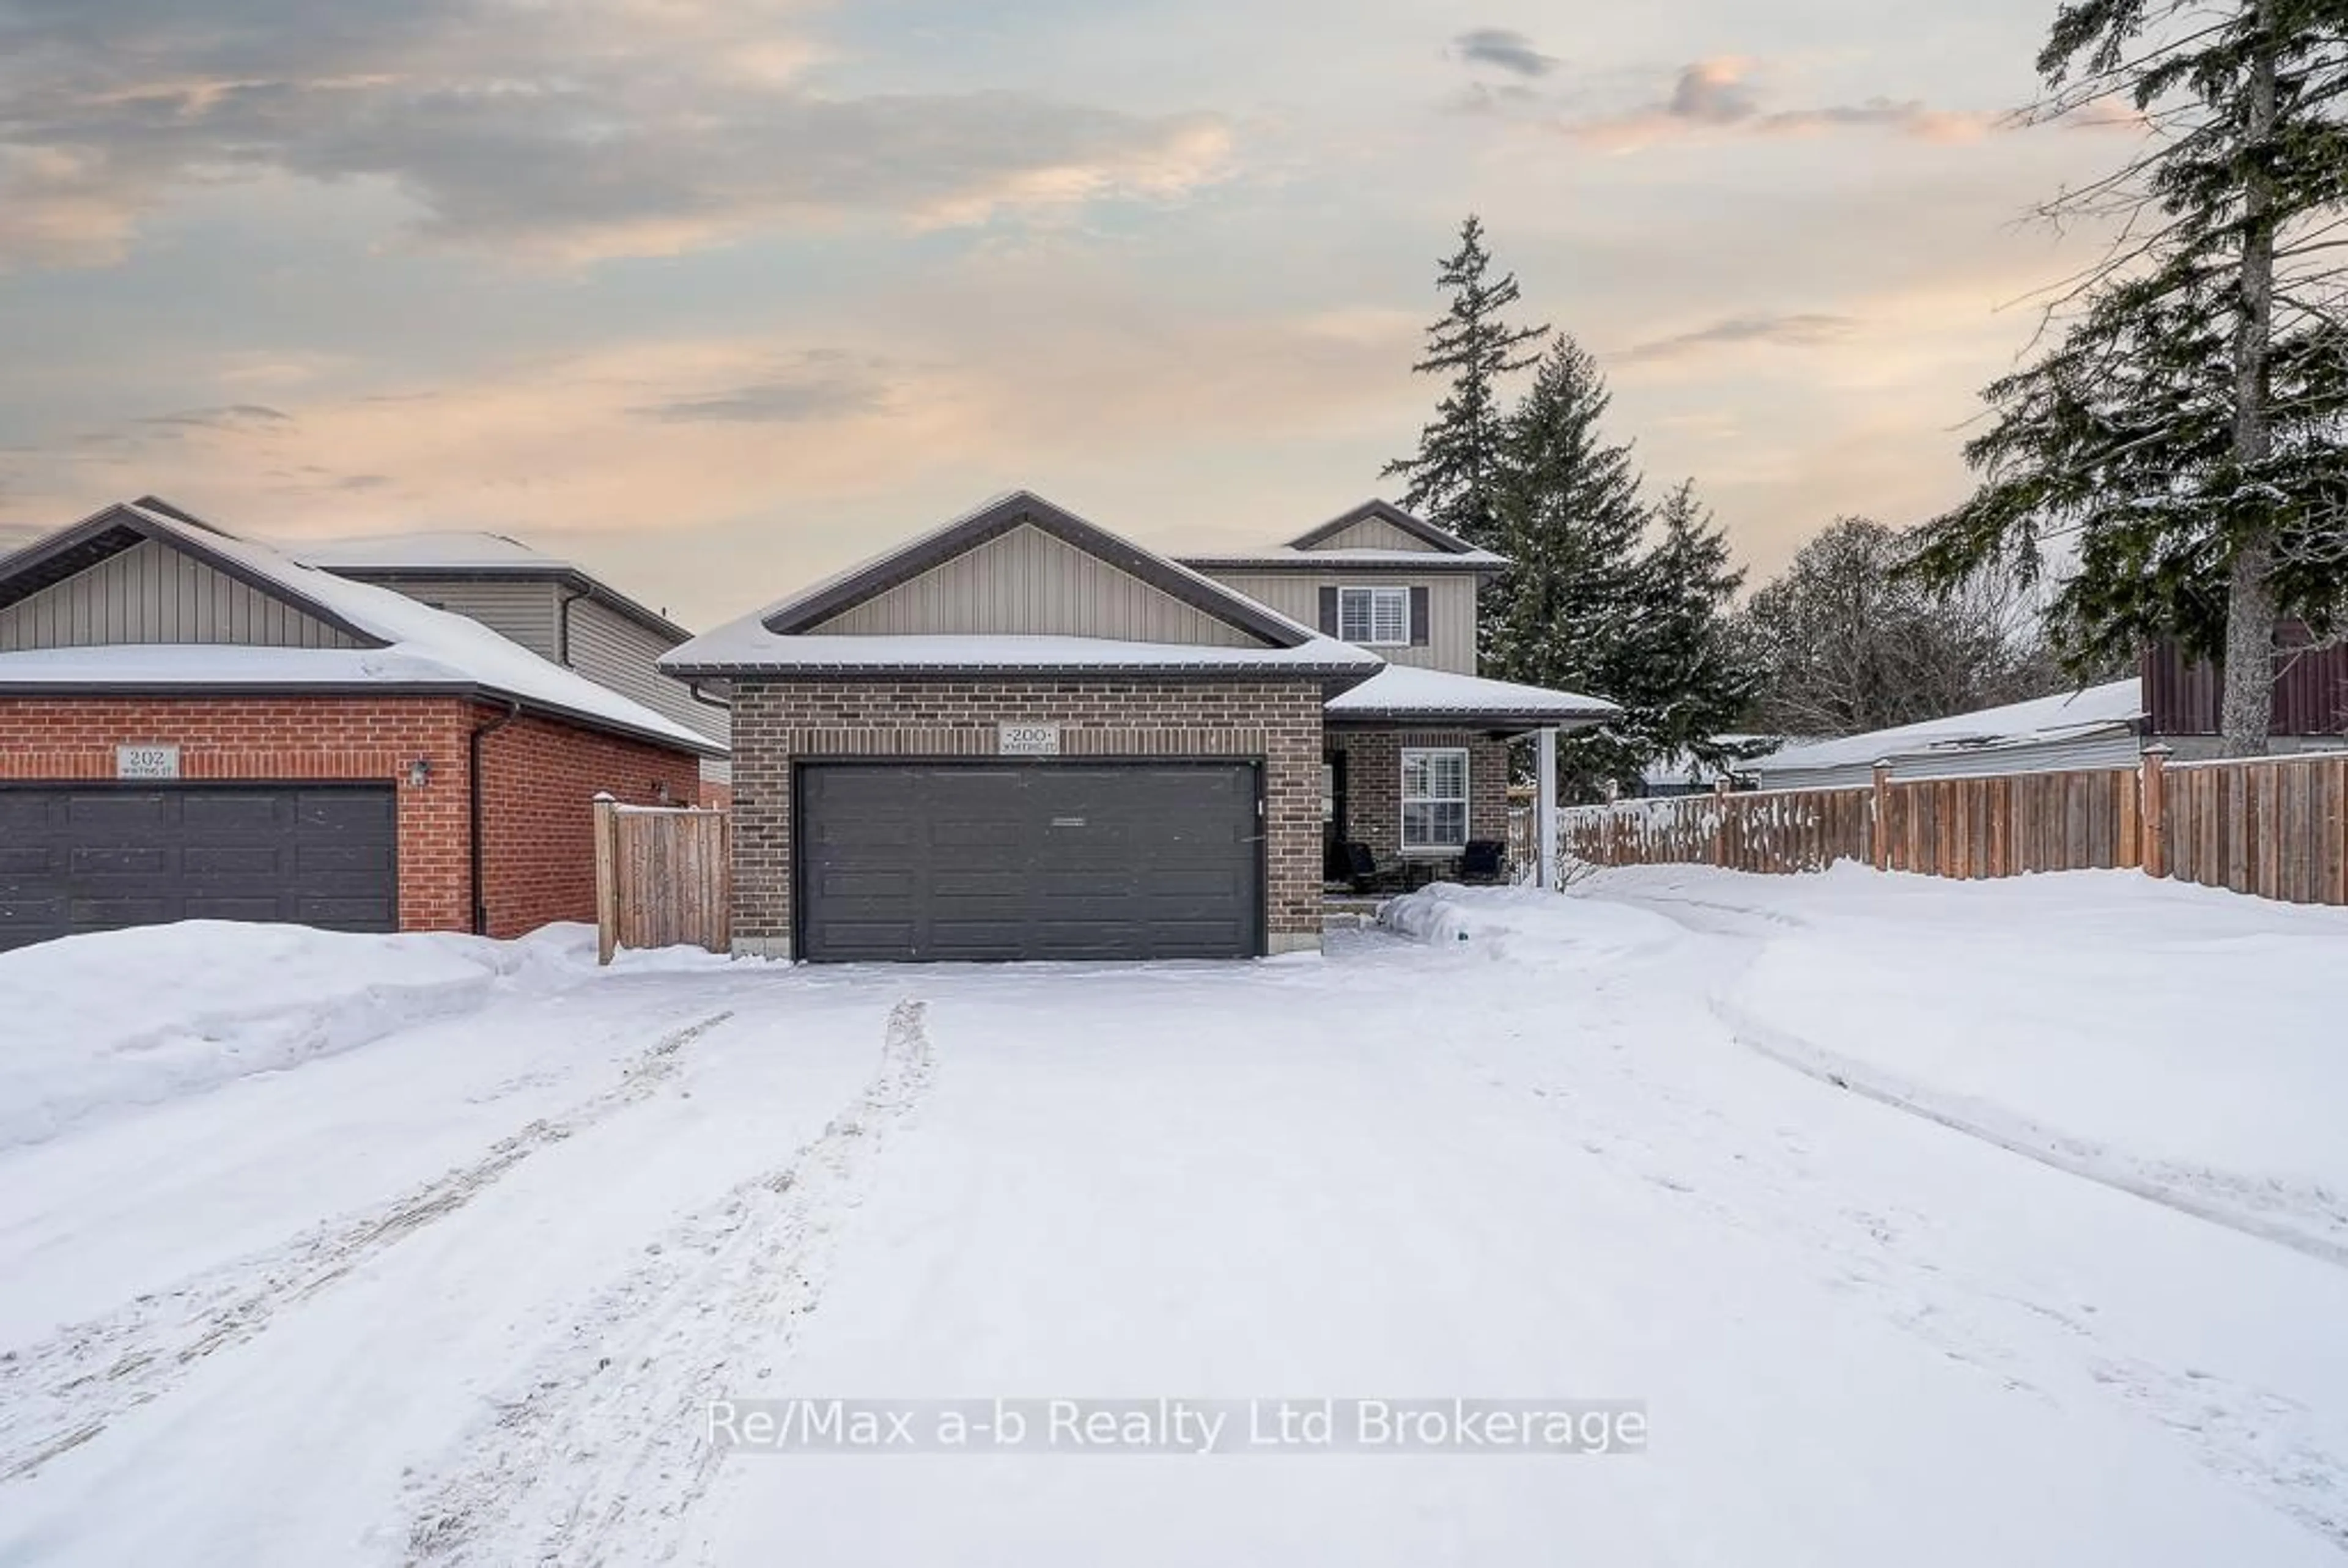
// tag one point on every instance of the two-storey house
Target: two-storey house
(1021, 736)
(1416, 760)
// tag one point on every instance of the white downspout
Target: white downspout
(1545, 807)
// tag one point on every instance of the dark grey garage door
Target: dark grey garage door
(91, 857)
(1057, 860)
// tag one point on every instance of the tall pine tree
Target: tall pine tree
(2187, 432)
(1453, 474)
(1691, 680)
(1567, 513)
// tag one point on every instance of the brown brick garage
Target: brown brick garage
(781, 721)
(539, 780)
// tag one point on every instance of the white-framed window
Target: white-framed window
(1374, 616)
(1433, 798)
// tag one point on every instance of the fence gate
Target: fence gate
(663, 877)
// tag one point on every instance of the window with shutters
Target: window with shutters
(1433, 798)
(1374, 616)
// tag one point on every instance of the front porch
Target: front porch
(1415, 765)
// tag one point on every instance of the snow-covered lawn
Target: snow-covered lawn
(1933, 1225)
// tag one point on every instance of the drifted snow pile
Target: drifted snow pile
(117, 1018)
(1524, 923)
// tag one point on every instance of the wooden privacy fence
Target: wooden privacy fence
(663, 876)
(2274, 826)
(1805, 830)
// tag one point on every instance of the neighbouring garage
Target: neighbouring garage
(97, 857)
(979, 861)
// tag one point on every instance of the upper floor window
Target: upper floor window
(1374, 617)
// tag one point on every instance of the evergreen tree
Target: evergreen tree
(1453, 474)
(2188, 434)
(1568, 612)
(1689, 679)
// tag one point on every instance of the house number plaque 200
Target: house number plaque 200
(1027, 739)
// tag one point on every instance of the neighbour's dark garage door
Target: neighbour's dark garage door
(91, 857)
(1054, 860)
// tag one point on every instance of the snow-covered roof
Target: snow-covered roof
(746, 645)
(441, 550)
(775, 639)
(1288, 558)
(1405, 691)
(2067, 715)
(422, 646)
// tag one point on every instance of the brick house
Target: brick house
(1021, 736)
(195, 725)
(555, 607)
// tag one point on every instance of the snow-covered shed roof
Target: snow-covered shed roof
(1409, 691)
(2110, 710)
(405, 644)
(445, 549)
(790, 636)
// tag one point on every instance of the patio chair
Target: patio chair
(1364, 872)
(1483, 861)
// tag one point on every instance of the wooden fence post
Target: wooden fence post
(607, 877)
(1880, 838)
(2154, 785)
(1720, 821)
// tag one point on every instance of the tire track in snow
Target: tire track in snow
(2072, 1156)
(597, 1452)
(61, 1392)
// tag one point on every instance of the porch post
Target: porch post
(1545, 806)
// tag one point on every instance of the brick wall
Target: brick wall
(539, 782)
(1275, 722)
(539, 778)
(1373, 782)
(277, 738)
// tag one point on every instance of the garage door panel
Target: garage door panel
(360, 812)
(146, 816)
(24, 859)
(344, 914)
(90, 857)
(229, 860)
(330, 859)
(196, 907)
(1061, 861)
(232, 814)
(121, 860)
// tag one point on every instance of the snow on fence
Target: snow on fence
(2276, 827)
(1804, 830)
(663, 877)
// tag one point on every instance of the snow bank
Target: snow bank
(2177, 1041)
(119, 1019)
(1525, 922)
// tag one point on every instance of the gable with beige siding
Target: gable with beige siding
(1374, 534)
(1027, 582)
(152, 593)
(1450, 608)
(519, 610)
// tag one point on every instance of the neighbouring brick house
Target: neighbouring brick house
(555, 607)
(1022, 736)
(195, 725)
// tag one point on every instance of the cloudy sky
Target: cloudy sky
(715, 295)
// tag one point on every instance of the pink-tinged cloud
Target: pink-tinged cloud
(1715, 99)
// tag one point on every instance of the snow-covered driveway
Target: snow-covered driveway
(462, 1293)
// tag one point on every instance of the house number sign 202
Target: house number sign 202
(146, 762)
(1027, 739)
